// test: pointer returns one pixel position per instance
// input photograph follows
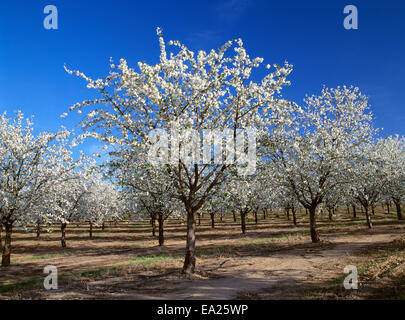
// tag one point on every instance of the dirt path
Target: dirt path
(273, 275)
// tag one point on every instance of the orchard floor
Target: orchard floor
(273, 260)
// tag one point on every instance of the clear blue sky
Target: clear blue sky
(308, 34)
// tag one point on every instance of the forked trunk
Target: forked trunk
(312, 225)
(5, 261)
(189, 261)
(294, 216)
(243, 221)
(399, 213)
(368, 218)
(63, 237)
(354, 211)
(161, 229)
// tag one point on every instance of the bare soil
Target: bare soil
(273, 260)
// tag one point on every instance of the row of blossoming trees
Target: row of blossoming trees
(322, 154)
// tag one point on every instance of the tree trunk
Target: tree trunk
(234, 215)
(287, 210)
(399, 213)
(161, 226)
(91, 230)
(243, 222)
(306, 211)
(189, 261)
(330, 214)
(5, 261)
(199, 219)
(212, 220)
(256, 220)
(264, 214)
(294, 216)
(153, 223)
(38, 230)
(312, 224)
(1, 239)
(368, 218)
(354, 211)
(388, 208)
(373, 209)
(348, 210)
(103, 226)
(63, 238)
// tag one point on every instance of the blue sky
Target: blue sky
(308, 34)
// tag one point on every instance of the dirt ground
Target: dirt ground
(273, 260)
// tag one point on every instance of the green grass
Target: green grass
(20, 285)
(139, 260)
(45, 256)
(340, 279)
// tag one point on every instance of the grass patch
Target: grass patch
(137, 261)
(340, 279)
(20, 285)
(44, 256)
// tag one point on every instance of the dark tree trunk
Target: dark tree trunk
(373, 209)
(91, 230)
(199, 219)
(388, 208)
(368, 218)
(306, 211)
(63, 237)
(243, 221)
(1, 239)
(189, 261)
(264, 214)
(312, 225)
(287, 210)
(212, 215)
(294, 216)
(220, 218)
(153, 223)
(161, 230)
(5, 261)
(398, 206)
(103, 226)
(38, 230)
(234, 215)
(354, 211)
(330, 213)
(256, 219)
(348, 210)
